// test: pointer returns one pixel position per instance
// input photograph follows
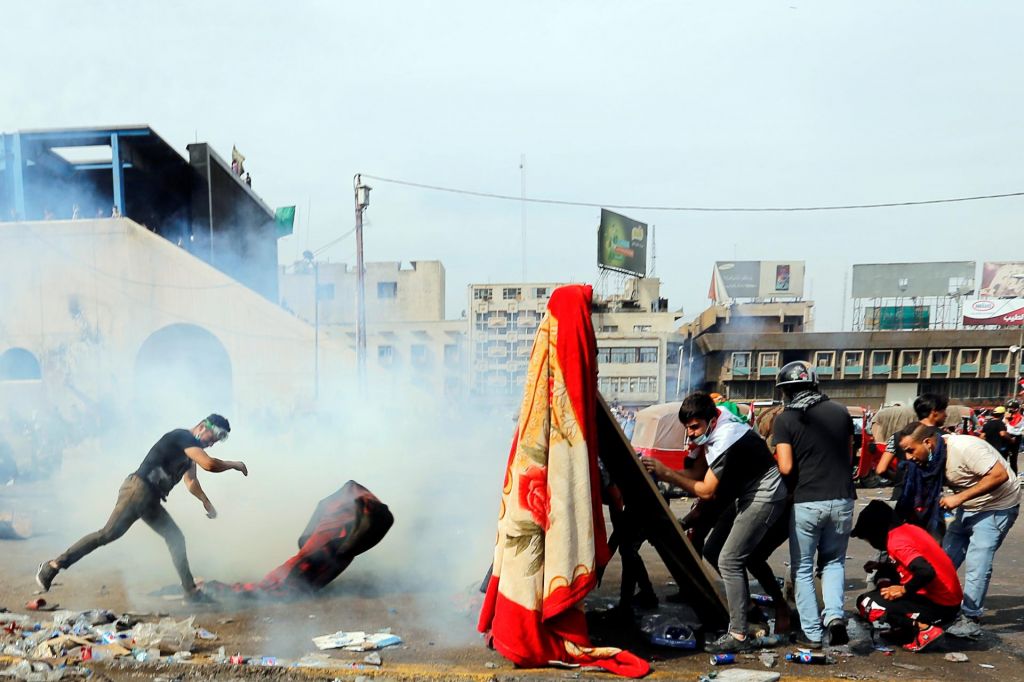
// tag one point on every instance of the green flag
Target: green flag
(284, 219)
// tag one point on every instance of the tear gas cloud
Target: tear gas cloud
(436, 463)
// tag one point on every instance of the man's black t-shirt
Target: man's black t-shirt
(991, 430)
(820, 438)
(167, 462)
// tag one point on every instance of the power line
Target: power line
(706, 209)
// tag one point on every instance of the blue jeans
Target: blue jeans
(821, 527)
(975, 536)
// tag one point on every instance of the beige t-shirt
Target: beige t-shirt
(968, 459)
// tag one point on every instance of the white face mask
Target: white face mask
(703, 438)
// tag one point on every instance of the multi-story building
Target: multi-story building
(742, 359)
(408, 340)
(637, 345)
(393, 293)
(636, 339)
(502, 321)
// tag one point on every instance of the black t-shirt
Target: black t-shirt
(991, 430)
(821, 451)
(167, 462)
(744, 465)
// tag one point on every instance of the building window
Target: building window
(741, 364)
(451, 354)
(511, 293)
(641, 328)
(387, 289)
(419, 354)
(609, 328)
(540, 292)
(604, 355)
(881, 362)
(788, 327)
(18, 364)
(853, 363)
(649, 354)
(385, 355)
(623, 355)
(482, 294)
(824, 358)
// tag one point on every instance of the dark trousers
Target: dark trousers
(721, 518)
(135, 500)
(627, 537)
(903, 613)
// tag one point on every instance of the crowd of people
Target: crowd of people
(793, 482)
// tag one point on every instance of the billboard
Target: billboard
(622, 244)
(897, 317)
(1002, 279)
(903, 280)
(757, 279)
(1002, 312)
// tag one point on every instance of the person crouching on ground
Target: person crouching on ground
(926, 594)
(740, 472)
(173, 457)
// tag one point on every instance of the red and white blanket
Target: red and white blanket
(551, 535)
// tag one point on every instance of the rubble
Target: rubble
(357, 641)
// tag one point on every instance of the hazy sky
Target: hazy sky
(672, 103)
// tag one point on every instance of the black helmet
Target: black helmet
(1012, 403)
(795, 374)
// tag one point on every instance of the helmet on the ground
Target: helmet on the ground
(796, 374)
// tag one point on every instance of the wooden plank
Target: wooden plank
(660, 526)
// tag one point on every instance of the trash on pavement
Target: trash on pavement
(373, 659)
(168, 636)
(746, 675)
(956, 657)
(356, 641)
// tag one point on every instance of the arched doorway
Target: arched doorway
(18, 364)
(182, 373)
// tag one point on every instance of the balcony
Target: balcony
(881, 370)
(497, 322)
(768, 371)
(853, 371)
(969, 368)
(910, 369)
(940, 369)
(741, 371)
(999, 368)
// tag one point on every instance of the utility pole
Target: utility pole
(362, 199)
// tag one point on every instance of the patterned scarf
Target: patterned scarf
(922, 488)
(805, 400)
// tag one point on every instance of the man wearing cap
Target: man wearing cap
(986, 502)
(1015, 430)
(813, 441)
(174, 457)
(994, 431)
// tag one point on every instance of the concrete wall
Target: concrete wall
(117, 315)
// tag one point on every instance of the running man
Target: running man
(175, 456)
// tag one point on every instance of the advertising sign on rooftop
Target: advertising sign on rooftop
(1002, 279)
(909, 280)
(757, 279)
(1002, 312)
(622, 244)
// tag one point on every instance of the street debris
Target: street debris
(908, 666)
(746, 675)
(956, 657)
(769, 659)
(357, 641)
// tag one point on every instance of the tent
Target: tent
(659, 433)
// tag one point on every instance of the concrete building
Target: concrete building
(409, 343)
(197, 203)
(973, 367)
(636, 339)
(637, 345)
(502, 322)
(393, 293)
(104, 316)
